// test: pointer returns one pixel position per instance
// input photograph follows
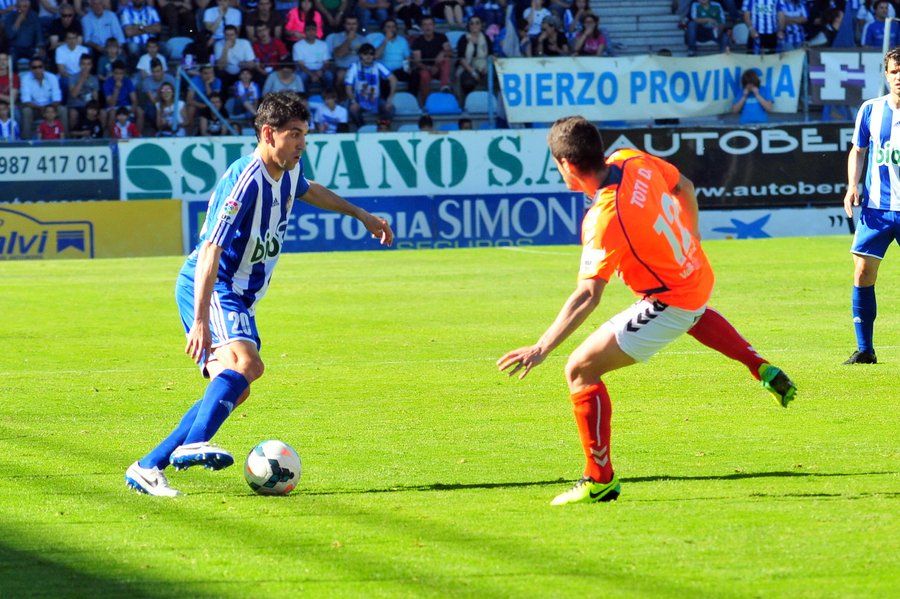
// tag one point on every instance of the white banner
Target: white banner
(47, 162)
(641, 87)
(776, 222)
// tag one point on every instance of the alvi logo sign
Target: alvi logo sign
(400, 164)
(23, 237)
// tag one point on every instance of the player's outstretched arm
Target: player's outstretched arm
(856, 161)
(322, 197)
(687, 197)
(199, 340)
(574, 312)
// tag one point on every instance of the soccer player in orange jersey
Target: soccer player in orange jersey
(643, 224)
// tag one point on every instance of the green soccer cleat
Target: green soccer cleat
(587, 490)
(776, 382)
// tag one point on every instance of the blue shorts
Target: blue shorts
(229, 318)
(875, 232)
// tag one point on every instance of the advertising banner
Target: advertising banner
(752, 166)
(641, 87)
(781, 222)
(90, 230)
(431, 222)
(50, 172)
(844, 75)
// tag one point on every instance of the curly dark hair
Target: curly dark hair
(576, 139)
(278, 109)
(892, 54)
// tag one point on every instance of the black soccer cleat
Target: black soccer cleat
(862, 357)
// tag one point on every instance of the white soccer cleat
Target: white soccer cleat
(207, 455)
(150, 481)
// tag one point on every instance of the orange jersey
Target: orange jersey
(638, 228)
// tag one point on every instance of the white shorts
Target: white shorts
(648, 326)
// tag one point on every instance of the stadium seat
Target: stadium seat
(453, 37)
(375, 38)
(448, 127)
(316, 99)
(442, 103)
(175, 47)
(406, 104)
(740, 33)
(477, 102)
(370, 128)
(407, 127)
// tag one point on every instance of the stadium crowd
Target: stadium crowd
(109, 68)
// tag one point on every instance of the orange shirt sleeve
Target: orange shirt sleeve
(603, 239)
(669, 171)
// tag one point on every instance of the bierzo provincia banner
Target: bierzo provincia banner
(637, 87)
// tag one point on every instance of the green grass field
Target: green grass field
(427, 472)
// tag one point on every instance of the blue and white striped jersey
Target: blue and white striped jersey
(248, 217)
(794, 34)
(878, 130)
(763, 15)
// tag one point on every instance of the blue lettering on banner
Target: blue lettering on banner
(638, 84)
(613, 92)
(544, 89)
(433, 222)
(585, 79)
(679, 79)
(564, 88)
(512, 89)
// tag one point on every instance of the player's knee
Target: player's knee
(865, 273)
(578, 369)
(251, 368)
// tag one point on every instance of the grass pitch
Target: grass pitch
(428, 473)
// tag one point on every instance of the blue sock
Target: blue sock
(217, 403)
(864, 310)
(159, 457)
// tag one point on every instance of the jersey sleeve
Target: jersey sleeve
(861, 133)
(302, 182)
(604, 241)
(669, 171)
(232, 199)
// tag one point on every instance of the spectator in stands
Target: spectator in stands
(372, 13)
(246, 96)
(208, 84)
(535, 15)
(866, 14)
(426, 123)
(62, 25)
(89, 127)
(150, 86)
(363, 86)
(492, 12)
(451, 11)
(465, 124)
(39, 89)
(473, 50)
(432, 56)
(139, 22)
(333, 11)
(23, 31)
(270, 52)
(285, 78)
(573, 19)
(394, 51)
(178, 17)
(122, 125)
(755, 102)
(551, 41)
(344, 47)
(84, 88)
(198, 52)
(9, 128)
(331, 115)
(313, 60)
(683, 8)
(706, 24)
(299, 16)
(171, 113)
(8, 89)
(99, 25)
(51, 127)
(792, 16)
(233, 54)
(120, 92)
(559, 7)
(264, 14)
(69, 55)
(7, 6)
(410, 12)
(210, 124)
(145, 61)
(217, 18)
(112, 53)
(383, 126)
(873, 33)
(591, 41)
(761, 19)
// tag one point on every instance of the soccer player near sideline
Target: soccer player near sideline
(228, 273)
(876, 136)
(644, 224)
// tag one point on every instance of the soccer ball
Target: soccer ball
(272, 468)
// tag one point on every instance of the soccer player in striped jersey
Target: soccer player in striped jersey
(876, 143)
(227, 275)
(643, 225)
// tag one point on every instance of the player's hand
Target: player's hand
(522, 359)
(199, 342)
(378, 227)
(851, 199)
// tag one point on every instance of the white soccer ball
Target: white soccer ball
(272, 468)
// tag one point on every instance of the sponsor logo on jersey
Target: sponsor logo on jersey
(887, 155)
(231, 208)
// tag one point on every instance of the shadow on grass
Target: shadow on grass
(27, 574)
(558, 481)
